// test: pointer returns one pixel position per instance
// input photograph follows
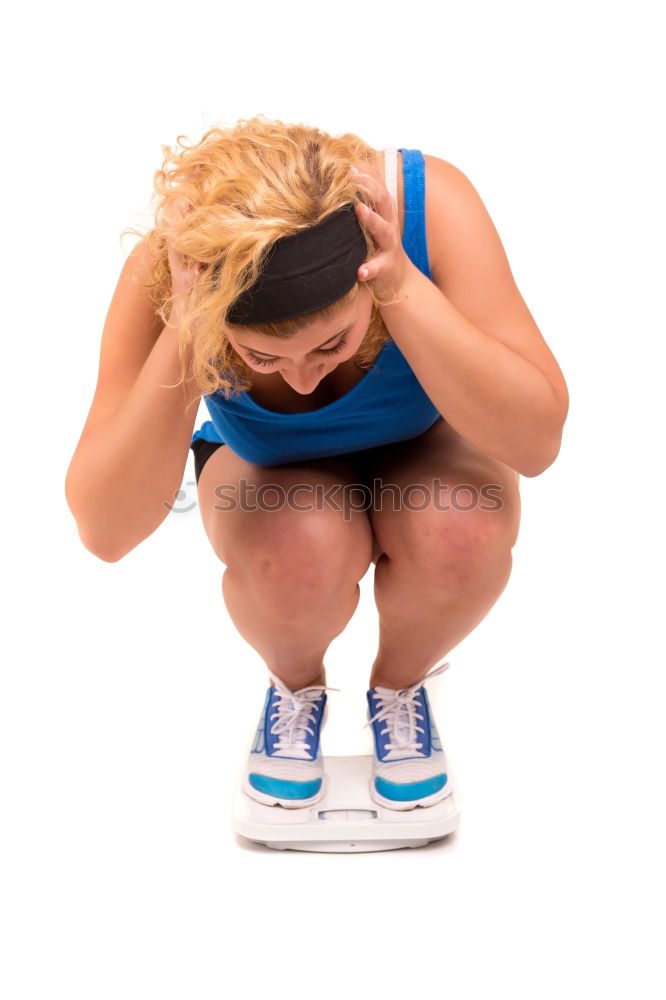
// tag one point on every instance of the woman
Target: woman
(376, 387)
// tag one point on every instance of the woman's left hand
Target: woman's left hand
(389, 268)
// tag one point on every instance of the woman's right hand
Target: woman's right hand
(183, 274)
(183, 277)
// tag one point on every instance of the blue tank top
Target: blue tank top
(387, 405)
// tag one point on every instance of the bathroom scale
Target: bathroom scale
(346, 819)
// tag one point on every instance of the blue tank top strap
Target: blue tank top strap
(414, 234)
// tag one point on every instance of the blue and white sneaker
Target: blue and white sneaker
(285, 765)
(409, 767)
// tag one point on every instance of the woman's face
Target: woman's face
(306, 358)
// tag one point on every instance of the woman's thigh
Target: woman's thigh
(439, 485)
(284, 511)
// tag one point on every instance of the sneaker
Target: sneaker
(409, 767)
(285, 765)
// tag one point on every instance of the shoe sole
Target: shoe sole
(428, 800)
(271, 800)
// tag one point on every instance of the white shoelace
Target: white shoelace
(398, 709)
(295, 709)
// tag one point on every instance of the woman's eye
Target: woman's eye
(264, 362)
(260, 361)
(338, 347)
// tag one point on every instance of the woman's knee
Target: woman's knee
(259, 506)
(315, 544)
(306, 561)
(466, 534)
(307, 540)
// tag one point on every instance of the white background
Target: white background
(128, 698)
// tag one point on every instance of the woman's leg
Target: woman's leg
(441, 570)
(292, 577)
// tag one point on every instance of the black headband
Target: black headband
(305, 271)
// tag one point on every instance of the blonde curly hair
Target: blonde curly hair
(247, 186)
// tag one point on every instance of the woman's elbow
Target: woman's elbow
(542, 460)
(101, 549)
(99, 544)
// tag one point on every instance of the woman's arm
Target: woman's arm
(467, 335)
(130, 459)
(493, 394)
(470, 337)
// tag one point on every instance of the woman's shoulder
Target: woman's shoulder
(444, 180)
(453, 210)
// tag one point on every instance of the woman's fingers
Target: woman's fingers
(183, 273)
(379, 193)
(378, 227)
(389, 265)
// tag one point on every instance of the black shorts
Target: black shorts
(204, 449)
(202, 452)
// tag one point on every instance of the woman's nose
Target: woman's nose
(304, 380)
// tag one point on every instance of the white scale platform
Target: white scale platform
(345, 820)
